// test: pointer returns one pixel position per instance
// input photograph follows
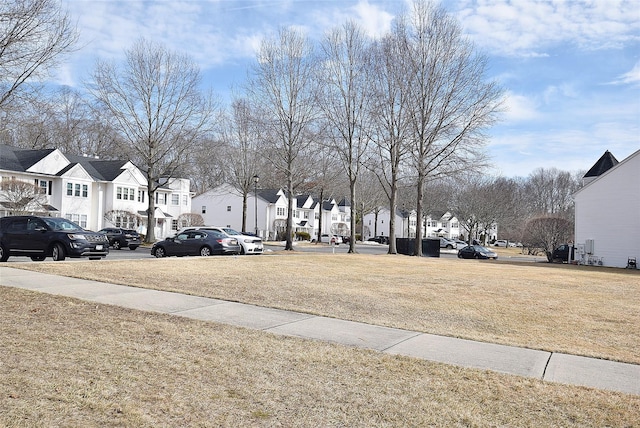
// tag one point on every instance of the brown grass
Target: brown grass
(69, 363)
(560, 308)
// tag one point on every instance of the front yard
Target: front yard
(67, 362)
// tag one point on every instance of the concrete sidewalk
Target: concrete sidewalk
(552, 367)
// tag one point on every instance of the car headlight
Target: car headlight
(76, 237)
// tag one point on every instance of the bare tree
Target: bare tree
(208, 168)
(34, 35)
(389, 121)
(550, 191)
(242, 149)
(155, 104)
(450, 102)
(282, 86)
(190, 219)
(370, 197)
(546, 232)
(21, 197)
(343, 98)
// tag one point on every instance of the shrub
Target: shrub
(303, 236)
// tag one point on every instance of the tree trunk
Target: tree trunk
(244, 211)
(352, 223)
(151, 213)
(417, 249)
(392, 218)
(320, 217)
(289, 242)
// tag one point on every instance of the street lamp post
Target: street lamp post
(255, 196)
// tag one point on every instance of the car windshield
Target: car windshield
(61, 224)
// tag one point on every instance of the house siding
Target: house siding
(607, 210)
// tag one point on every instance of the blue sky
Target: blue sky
(570, 68)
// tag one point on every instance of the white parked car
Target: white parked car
(249, 244)
(500, 243)
(448, 244)
(331, 239)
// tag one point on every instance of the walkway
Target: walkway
(549, 366)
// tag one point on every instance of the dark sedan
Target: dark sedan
(196, 243)
(476, 252)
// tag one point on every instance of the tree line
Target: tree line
(398, 117)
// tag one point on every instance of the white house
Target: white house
(92, 192)
(222, 206)
(435, 225)
(607, 212)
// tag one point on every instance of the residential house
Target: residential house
(434, 225)
(607, 212)
(223, 205)
(92, 192)
(267, 213)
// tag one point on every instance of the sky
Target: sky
(570, 69)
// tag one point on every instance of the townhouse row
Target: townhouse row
(99, 193)
(92, 192)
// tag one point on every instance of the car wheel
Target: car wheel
(450, 247)
(242, 251)
(205, 251)
(133, 247)
(160, 252)
(38, 258)
(116, 245)
(58, 253)
(4, 254)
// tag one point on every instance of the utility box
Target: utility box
(589, 246)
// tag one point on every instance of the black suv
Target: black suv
(121, 238)
(41, 237)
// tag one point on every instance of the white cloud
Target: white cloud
(519, 108)
(630, 77)
(373, 20)
(528, 27)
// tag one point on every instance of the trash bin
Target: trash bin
(431, 247)
(404, 246)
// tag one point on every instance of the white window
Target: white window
(43, 187)
(204, 209)
(140, 195)
(281, 211)
(85, 192)
(77, 188)
(185, 200)
(118, 192)
(69, 189)
(83, 221)
(174, 224)
(228, 208)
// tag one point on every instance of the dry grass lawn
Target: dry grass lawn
(65, 362)
(574, 309)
